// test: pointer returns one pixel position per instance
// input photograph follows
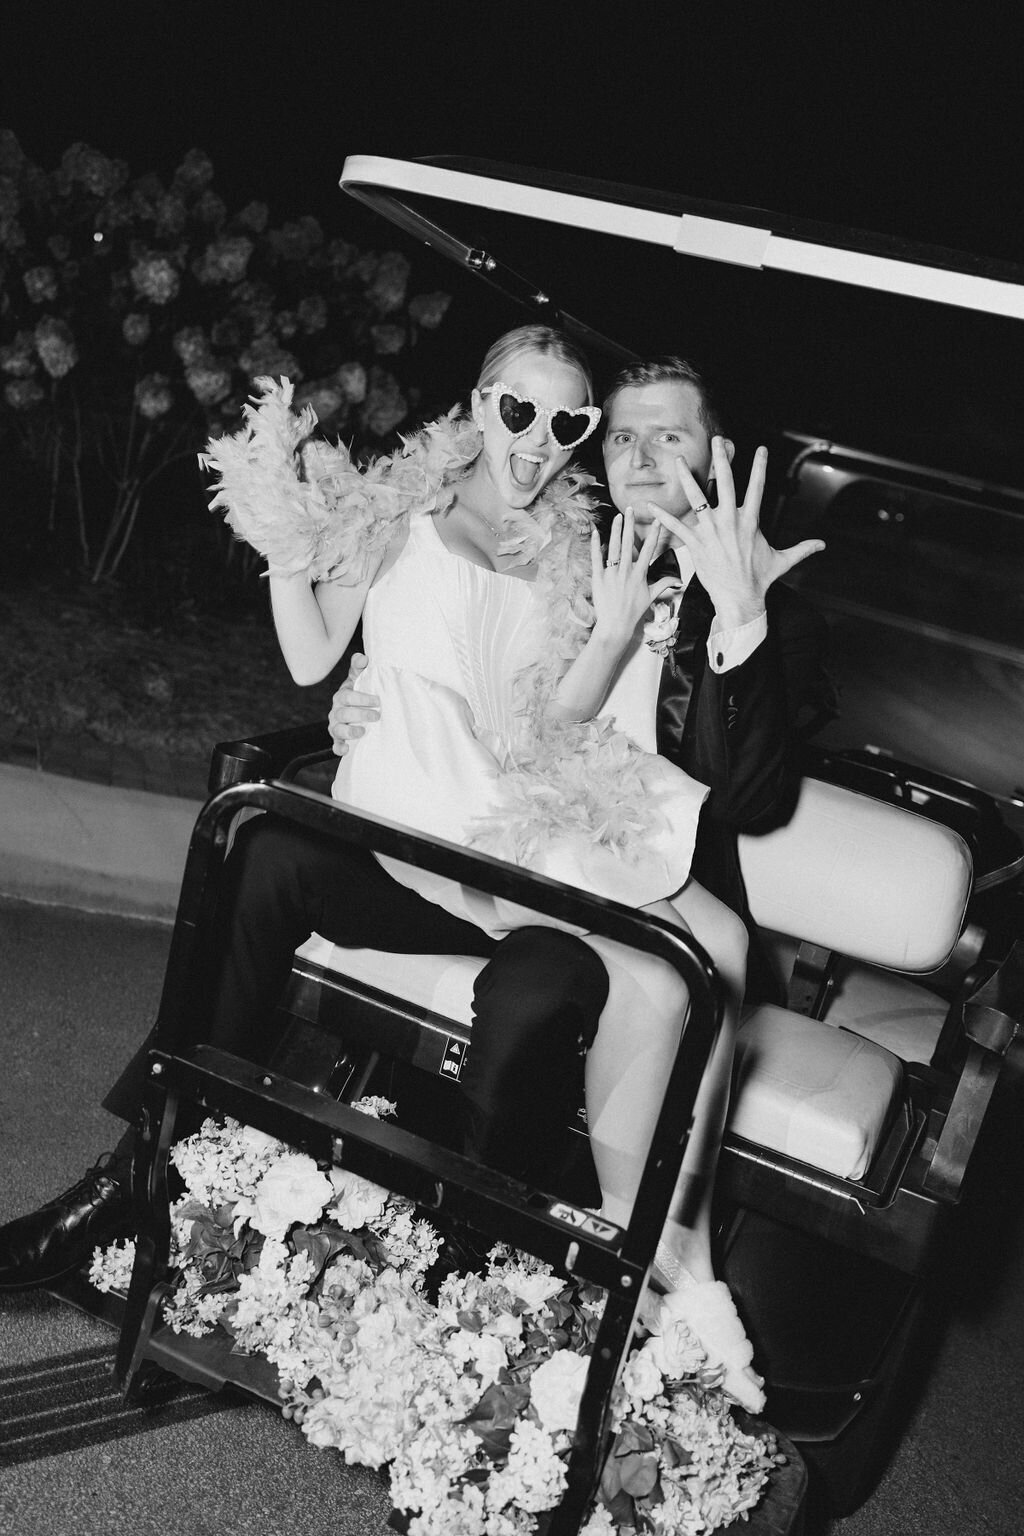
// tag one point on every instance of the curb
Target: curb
(99, 847)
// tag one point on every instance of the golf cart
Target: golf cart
(856, 1106)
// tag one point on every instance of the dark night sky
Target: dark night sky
(886, 116)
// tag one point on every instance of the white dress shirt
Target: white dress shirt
(632, 700)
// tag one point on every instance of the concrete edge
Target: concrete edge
(101, 848)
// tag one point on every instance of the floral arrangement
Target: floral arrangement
(135, 314)
(467, 1388)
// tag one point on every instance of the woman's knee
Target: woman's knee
(719, 930)
(734, 942)
(648, 996)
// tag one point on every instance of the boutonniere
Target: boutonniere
(661, 629)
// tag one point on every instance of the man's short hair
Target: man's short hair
(668, 368)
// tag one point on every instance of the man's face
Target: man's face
(649, 427)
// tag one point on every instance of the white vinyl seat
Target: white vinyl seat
(823, 1096)
(887, 890)
(881, 885)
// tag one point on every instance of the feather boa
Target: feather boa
(303, 505)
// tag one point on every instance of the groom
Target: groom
(742, 682)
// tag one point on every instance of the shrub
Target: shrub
(135, 315)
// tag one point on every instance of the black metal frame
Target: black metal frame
(182, 1067)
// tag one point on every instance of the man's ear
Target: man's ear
(730, 450)
(476, 403)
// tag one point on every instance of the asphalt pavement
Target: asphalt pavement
(88, 879)
(77, 992)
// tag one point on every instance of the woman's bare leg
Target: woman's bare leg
(629, 1064)
(626, 1070)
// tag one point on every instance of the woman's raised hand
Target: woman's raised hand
(621, 595)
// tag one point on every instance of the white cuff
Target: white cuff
(729, 648)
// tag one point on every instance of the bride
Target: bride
(494, 626)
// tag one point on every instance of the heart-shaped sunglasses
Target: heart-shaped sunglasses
(568, 425)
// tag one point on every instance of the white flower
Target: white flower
(56, 347)
(368, 1367)
(111, 1268)
(313, 312)
(486, 1352)
(135, 329)
(387, 338)
(191, 345)
(385, 405)
(356, 1201)
(387, 290)
(23, 394)
(506, 1326)
(210, 383)
(428, 309)
(534, 1287)
(292, 1190)
(155, 278)
(375, 1104)
(662, 628)
(153, 396)
(251, 1140)
(351, 379)
(224, 260)
(41, 284)
(556, 1388)
(222, 1164)
(641, 1377)
(534, 1478)
(677, 1352)
(600, 1523)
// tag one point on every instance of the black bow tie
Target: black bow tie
(665, 565)
(694, 614)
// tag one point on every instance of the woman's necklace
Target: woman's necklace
(496, 533)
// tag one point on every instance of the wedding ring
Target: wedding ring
(705, 506)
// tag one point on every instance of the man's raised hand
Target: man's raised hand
(733, 560)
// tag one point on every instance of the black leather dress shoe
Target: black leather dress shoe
(53, 1241)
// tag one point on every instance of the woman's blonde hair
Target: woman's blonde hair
(533, 338)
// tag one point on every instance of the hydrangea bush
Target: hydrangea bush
(134, 315)
(467, 1390)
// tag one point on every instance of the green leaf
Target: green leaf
(495, 1415)
(639, 1473)
(317, 1245)
(633, 1437)
(675, 1454)
(194, 1209)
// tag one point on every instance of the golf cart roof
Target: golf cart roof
(439, 199)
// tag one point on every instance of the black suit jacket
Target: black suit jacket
(739, 732)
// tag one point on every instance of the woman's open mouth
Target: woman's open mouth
(525, 469)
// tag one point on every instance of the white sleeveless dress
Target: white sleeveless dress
(445, 640)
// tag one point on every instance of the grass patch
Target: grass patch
(75, 662)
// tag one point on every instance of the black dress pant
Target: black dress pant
(536, 1007)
